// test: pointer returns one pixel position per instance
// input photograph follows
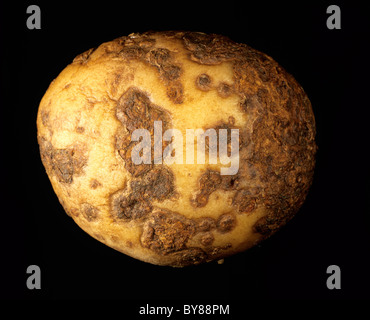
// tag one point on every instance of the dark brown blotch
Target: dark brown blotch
(209, 182)
(188, 257)
(246, 199)
(171, 72)
(94, 184)
(248, 206)
(128, 206)
(203, 82)
(64, 163)
(158, 57)
(135, 111)
(226, 223)
(84, 57)
(134, 52)
(129, 244)
(272, 222)
(136, 203)
(157, 184)
(207, 239)
(162, 59)
(80, 129)
(205, 224)
(73, 212)
(175, 92)
(89, 212)
(211, 49)
(99, 237)
(224, 90)
(166, 232)
(231, 121)
(257, 102)
(45, 118)
(62, 160)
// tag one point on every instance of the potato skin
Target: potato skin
(180, 214)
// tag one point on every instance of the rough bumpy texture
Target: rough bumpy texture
(178, 214)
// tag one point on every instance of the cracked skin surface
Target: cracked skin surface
(179, 214)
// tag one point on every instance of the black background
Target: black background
(332, 227)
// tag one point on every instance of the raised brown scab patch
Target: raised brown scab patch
(150, 183)
(188, 257)
(203, 82)
(45, 118)
(231, 121)
(158, 57)
(89, 212)
(258, 102)
(129, 244)
(141, 39)
(136, 203)
(224, 90)
(98, 236)
(135, 111)
(195, 255)
(281, 145)
(114, 238)
(226, 223)
(175, 92)
(214, 251)
(166, 232)
(80, 129)
(209, 182)
(141, 47)
(162, 59)
(212, 49)
(204, 48)
(83, 57)
(130, 53)
(279, 156)
(94, 184)
(74, 212)
(64, 163)
(125, 152)
(246, 199)
(248, 206)
(273, 221)
(128, 207)
(228, 126)
(170, 73)
(157, 184)
(207, 239)
(205, 224)
(132, 46)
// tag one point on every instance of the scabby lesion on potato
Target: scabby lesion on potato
(142, 48)
(90, 212)
(169, 233)
(135, 111)
(83, 57)
(209, 182)
(166, 232)
(135, 201)
(64, 163)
